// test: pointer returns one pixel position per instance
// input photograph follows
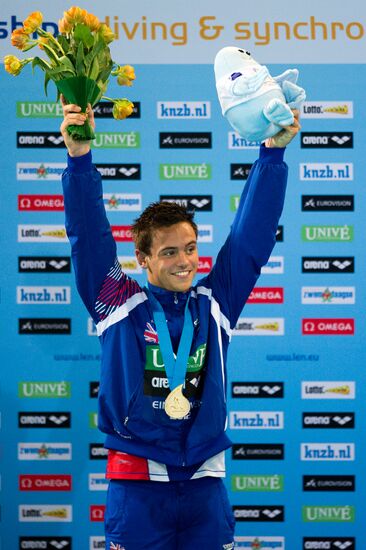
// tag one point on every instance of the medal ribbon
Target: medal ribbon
(175, 365)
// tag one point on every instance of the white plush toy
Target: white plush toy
(256, 104)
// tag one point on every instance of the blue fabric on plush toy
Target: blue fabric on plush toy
(256, 104)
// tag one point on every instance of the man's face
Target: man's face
(173, 259)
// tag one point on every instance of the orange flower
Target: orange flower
(41, 41)
(64, 26)
(106, 33)
(125, 75)
(92, 22)
(32, 22)
(122, 108)
(75, 15)
(12, 65)
(19, 39)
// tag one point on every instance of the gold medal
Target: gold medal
(176, 405)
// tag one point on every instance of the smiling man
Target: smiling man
(162, 398)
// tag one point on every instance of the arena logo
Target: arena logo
(328, 264)
(185, 140)
(205, 264)
(328, 327)
(116, 202)
(44, 325)
(257, 389)
(335, 452)
(332, 171)
(38, 203)
(97, 451)
(274, 266)
(328, 390)
(45, 512)
(257, 483)
(345, 483)
(185, 171)
(235, 141)
(256, 420)
(328, 420)
(34, 171)
(240, 171)
(259, 513)
(119, 171)
(116, 140)
(54, 295)
(129, 265)
(338, 514)
(104, 109)
(329, 543)
(183, 110)
(201, 203)
(259, 326)
(44, 451)
(33, 140)
(44, 389)
(96, 512)
(42, 233)
(266, 295)
(327, 203)
(260, 543)
(45, 543)
(44, 420)
(122, 233)
(327, 140)
(46, 482)
(93, 389)
(38, 109)
(44, 264)
(327, 233)
(98, 482)
(339, 295)
(205, 233)
(327, 109)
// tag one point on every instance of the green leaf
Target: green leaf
(65, 62)
(38, 62)
(94, 70)
(80, 67)
(59, 70)
(83, 33)
(62, 40)
(46, 81)
(51, 53)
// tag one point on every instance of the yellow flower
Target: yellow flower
(64, 26)
(12, 65)
(122, 108)
(125, 75)
(19, 39)
(32, 22)
(92, 22)
(75, 15)
(41, 41)
(106, 33)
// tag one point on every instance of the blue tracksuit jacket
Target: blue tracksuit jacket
(133, 383)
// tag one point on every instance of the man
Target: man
(162, 397)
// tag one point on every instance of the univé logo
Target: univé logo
(339, 514)
(328, 327)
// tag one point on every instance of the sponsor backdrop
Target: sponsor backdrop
(296, 387)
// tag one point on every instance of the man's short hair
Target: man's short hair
(155, 216)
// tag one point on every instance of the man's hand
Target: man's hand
(284, 136)
(73, 115)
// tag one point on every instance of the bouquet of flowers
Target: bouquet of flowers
(78, 61)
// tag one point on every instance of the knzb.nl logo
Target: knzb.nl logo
(55, 295)
(183, 109)
(328, 451)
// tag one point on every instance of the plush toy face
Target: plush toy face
(231, 59)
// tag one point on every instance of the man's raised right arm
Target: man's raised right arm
(87, 226)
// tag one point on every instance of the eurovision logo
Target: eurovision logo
(44, 326)
(327, 140)
(258, 451)
(104, 109)
(327, 203)
(93, 389)
(337, 483)
(185, 140)
(183, 110)
(240, 171)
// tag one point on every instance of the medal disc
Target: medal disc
(176, 405)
